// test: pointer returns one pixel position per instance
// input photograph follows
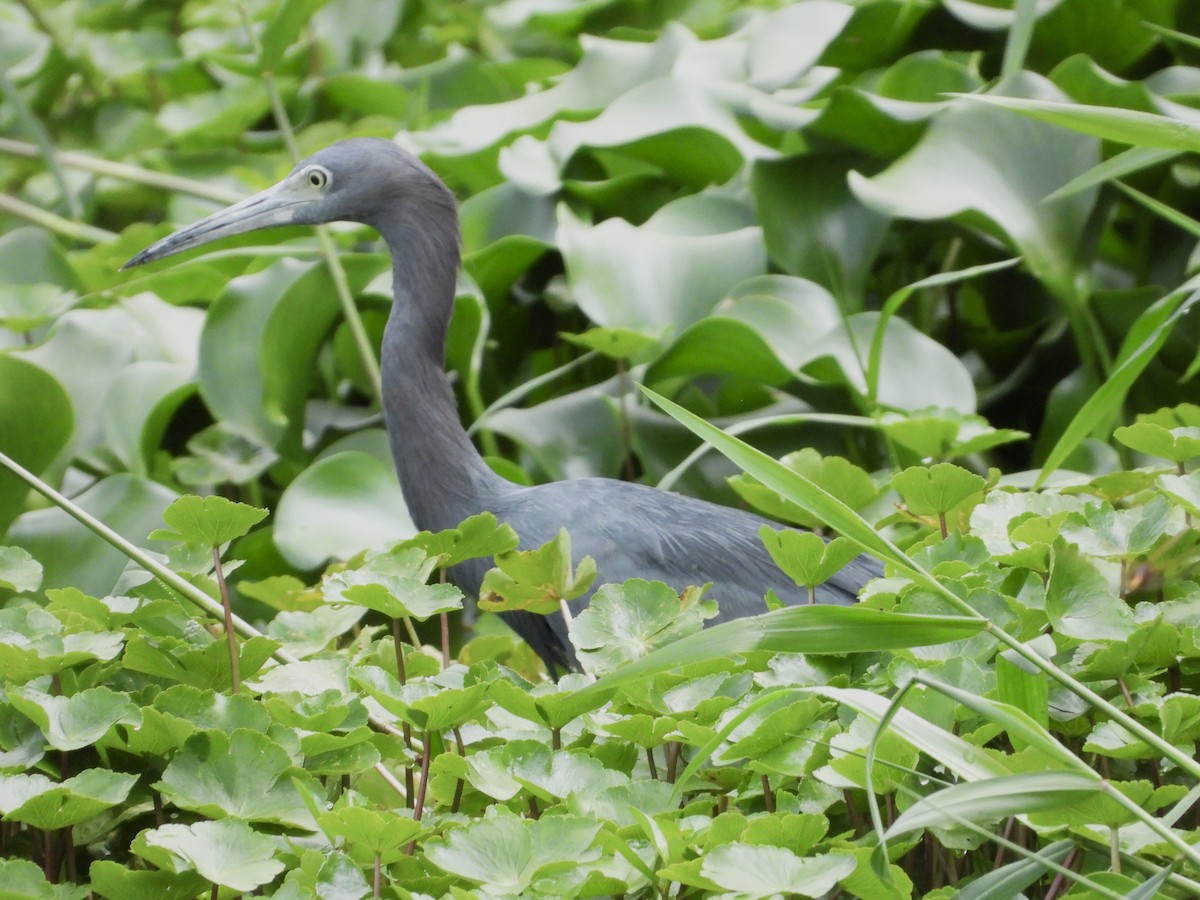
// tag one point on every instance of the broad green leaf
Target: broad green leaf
(658, 276)
(1079, 602)
(537, 580)
(19, 571)
(978, 159)
(941, 433)
(21, 879)
(70, 723)
(118, 882)
(212, 521)
(1118, 534)
(627, 621)
(479, 536)
(763, 871)
(937, 489)
(209, 776)
(1176, 444)
(394, 583)
(616, 343)
(552, 704)
(839, 476)
(807, 558)
(40, 422)
(42, 803)
(507, 854)
(229, 853)
(339, 506)
(33, 643)
(550, 775)
(375, 832)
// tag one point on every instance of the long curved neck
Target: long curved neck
(443, 477)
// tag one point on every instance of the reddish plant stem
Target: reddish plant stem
(534, 812)
(235, 675)
(458, 787)
(405, 728)
(673, 749)
(768, 795)
(426, 754)
(1008, 827)
(1059, 880)
(651, 763)
(377, 887)
(49, 863)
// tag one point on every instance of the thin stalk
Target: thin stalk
(137, 174)
(768, 795)
(650, 762)
(405, 728)
(377, 887)
(34, 126)
(426, 755)
(357, 330)
(623, 418)
(76, 231)
(461, 747)
(235, 669)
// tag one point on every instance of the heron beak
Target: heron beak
(274, 206)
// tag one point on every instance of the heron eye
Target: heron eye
(317, 178)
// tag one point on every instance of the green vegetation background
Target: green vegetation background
(788, 218)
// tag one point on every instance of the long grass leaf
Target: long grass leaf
(1126, 126)
(1124, 163)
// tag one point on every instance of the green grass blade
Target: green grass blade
(1151, 330)
(1125, 126)
(1125, 163)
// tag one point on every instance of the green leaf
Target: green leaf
(1176, 444)
(937, 489)
(627, 621)
(29, 394)
(549, 775)
(229, 853)
(209, 776)
(479, 536)
(996, 798)
(70, 723)
(21, 879)
(939, 434)
(373, 831)
(839, 476)
(1079, 602)
(212, 521)
(111, 879)
(283, 28)
(394, 583)
(1118, 534)
(46, 804)
(19, 571)
(762, 871)
(807, 558)
(616, 343)
(536, 580)
(507, 854)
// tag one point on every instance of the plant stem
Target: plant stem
(378, 885)
(76, 231)
(650, 761)
(426, 755)
(235, 674)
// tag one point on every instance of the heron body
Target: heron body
(630, 530)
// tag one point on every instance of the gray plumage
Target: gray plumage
(630, 530)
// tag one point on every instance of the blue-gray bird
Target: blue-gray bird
(630, 530)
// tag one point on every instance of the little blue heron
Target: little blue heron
(630, 530)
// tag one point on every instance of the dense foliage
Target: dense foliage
(936, 255)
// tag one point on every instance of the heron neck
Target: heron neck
(443, 477)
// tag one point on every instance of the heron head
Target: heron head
(363, 180)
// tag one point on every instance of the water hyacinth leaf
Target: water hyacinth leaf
(139, 406)
(627, 621)
(214, 117)
(212, 521)
(70, 554)
(536, 580)
(19, 571)
(42, 803)
(228, 853)
(814, 226)
(25, 307)
(209, 776)
(996, 798)
(977, 158)
(29, 394)
(655, 276)
(76, 721)
(752, 871)
(720, 345)
(507, 854)
(338, 506)
(617, 343)
(937, 489)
